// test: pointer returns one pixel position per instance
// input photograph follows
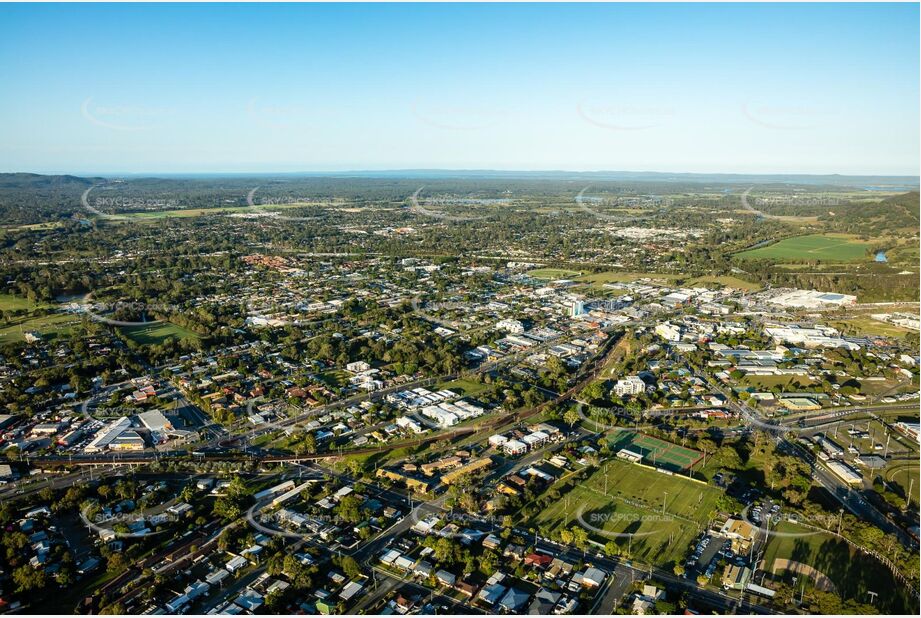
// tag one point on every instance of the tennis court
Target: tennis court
(656, 452)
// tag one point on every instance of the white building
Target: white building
(357, 367)
(155, 421)
(515, 447)
(631, 385)
(848, 474)
(510, 326)
(811, 299)
(669, 331)
(815, 337)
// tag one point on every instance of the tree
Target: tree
(445, 551)
(26, 578)
(579, 537)
(611, 549)
(571, 417)
(350, 567)
(349, 509)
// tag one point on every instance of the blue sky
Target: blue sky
(785, 88)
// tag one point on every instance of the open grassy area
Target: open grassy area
(9, 302)
(553, 273)
(156, 333)
(336, 377)
(198, 212)
(824, 247)
(48, 326)
(905, 476)
(631, 513)
(724, 281)
(867, 326)
(769, 382)
(803, 547)
(467, 388)
(600, 279)
(852, 572)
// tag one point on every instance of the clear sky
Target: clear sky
(786, 88)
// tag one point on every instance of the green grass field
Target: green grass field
(867, 326)
(49, 326)
(553, 273)
(336, 377)
(633, 506)
(905, 476)
(8, 302)
(769, 382)
(157, 333)
(660, 453)
(824, 247)
(467, 388)
(852, 572)
(600, 279)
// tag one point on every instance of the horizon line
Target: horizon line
(471, 171)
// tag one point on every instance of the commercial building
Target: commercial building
(848, 474)
(106, 435)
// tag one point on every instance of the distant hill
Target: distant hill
(36, 198)
(895, 214)
(22, 180)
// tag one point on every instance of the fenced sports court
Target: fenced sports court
(659, 453)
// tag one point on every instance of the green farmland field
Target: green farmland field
(824, 247)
